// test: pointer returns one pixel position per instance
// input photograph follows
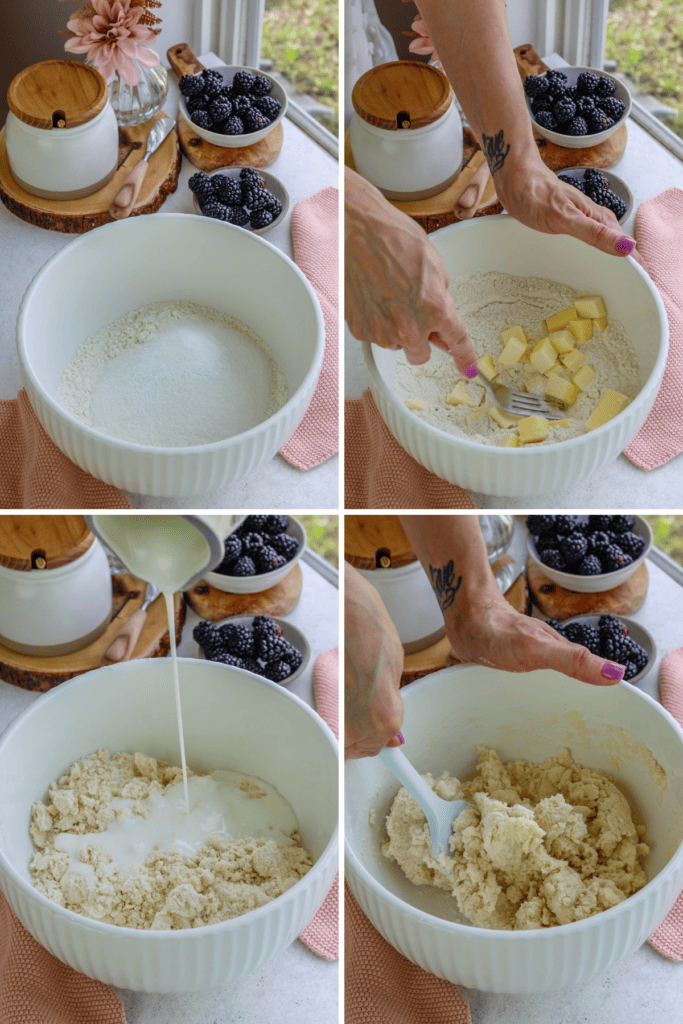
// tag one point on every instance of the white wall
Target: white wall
(536, 22)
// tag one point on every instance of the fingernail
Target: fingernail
(399, 736)
(471, 371)
(611, 671)
(625, 245)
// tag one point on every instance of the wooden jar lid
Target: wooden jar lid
(403, 86)
(368, 540)
(57, 94)
(42, 542)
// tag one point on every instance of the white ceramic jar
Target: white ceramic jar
(61, 132)
(411, 603)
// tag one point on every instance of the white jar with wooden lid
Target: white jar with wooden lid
(55, 585)
(61, 132)
(406, 132)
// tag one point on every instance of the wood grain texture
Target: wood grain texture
(62, 539)
(404, 86)
(208, 157)
(557, 603)
(39, 94)
(365, 535)
(33, 673)
(213, 604)
(76, 216)
(182, 59)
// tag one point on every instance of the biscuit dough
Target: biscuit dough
(541, 845)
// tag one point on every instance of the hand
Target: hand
(372, 667)
(397, 283)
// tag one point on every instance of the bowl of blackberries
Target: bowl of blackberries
(264, 646)
(232, 106)
(244, 196)
(620, 640)
(588, 554)
(576, 107)
(603, 187)
(258, 554)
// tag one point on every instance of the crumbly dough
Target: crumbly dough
(541, 845)
(224, 879)
(488, 303)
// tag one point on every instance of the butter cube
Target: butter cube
(607, 408)
(591, 306)
(553, 369)
(472, 416)
(486, 367)
(600, 322)
(573, 360)
(581, 329)
(510, 441)
(533, 429)
(415, 403)
(561, 423)
(513, 332)
(461, 395)
(558, 387)
(544, 355)
(512, 353)
(583, 377)
(559, 320)
(563, 341)
(502, 418)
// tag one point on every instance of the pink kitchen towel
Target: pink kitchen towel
(668, 939)
(322, 934)
(659, 226)
(315, 234)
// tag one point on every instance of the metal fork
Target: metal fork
(518, 402)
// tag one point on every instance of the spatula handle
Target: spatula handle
(123, 644)
(124, 200)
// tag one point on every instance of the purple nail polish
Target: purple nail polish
(471, 371)
(399, 736)
(610, 671)
(625, 245)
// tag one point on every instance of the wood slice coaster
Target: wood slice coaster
(607, 154)
(42, 674)
(557, 603)
(439, 655)
(213, 604)
(208, 157)
(75, 216)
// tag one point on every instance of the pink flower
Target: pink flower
(423, 44)
(108, 31)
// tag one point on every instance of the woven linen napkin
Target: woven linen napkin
(668, 939)
(315, 234)
(35, 474)
(322, 934)
(37, 988)
(659, 225)
(379, 473)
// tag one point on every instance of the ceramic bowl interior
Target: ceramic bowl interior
(604, 581)
(619, 187)
(637, 632)
(290, 632)
(227, 73)
(274, 186)
(265, 580)
(586, 141)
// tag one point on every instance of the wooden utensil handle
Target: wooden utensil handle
(468, 202)
(122, 646)
(183, 61)
(124, 200)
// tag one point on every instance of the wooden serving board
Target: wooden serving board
(208, 157)
(556, 157)
(33, 673)
(75, 216)
(558, 603)
(439, 655)
(213, 604)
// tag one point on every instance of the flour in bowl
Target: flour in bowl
(491, 303)
(173, 375)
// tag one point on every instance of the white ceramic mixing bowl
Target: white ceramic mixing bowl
(232, 720)
(447, 715)
(171, 257)
(500, 243)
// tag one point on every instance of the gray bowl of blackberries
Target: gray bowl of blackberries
(244, 196)
(576, 108)
(616, 639)
(603, 187)
(258, 554)
(588, 554)
(271, 648)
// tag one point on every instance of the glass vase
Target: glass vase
(134, 104)
(497, 531)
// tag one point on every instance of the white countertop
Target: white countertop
(304, 167)
(648, 168)
(296, 987)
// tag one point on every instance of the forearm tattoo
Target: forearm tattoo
(493, 150)
(444, 584)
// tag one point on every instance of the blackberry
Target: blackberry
(285, 545)
(557, 626)
(251, 542)
(204, 631)
(554, 560)
(224, 658)
(252, 665)
(274, 207)
(614, 108)
(202, 185)
(598, 541)
(535, 85)
(598, 121)
(545, 542)
(537, 525)
(546, 120)
(254, 120)
(639, 656)
(557, 90)
(233, 550)
(556, 76)
(587, 83)
(614, 558)
(268, 105)
(544, 102)
(244, 566)
(610, 625)
(241, 104)
(214, 209)
(599, 522)
(202, 119)
(233, 126)
(220, 109)
(261, 86)
(589, 566)
(263, 626)
(598, 193)
(254, 178)
(615, 648)
(606, 87)
(243, 83)
(238, 640)
(630, 670)
(577, 126)
(227, 190)
(267, 559)
(213, 81)
(566, 524)
(574, 182)
(278, 671)
(253, 196)
(261, 218)
(276, 524)
(191, 85)
(622, 524)
(238, 216)
(252, 524)
(198, 102)
(292, 656)
(270, 648)
(632, 543)
(616, 205)
(585, 634)
(593, 174)
(564, 110)
(574, 548)
(584, 105)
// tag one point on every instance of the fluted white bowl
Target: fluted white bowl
(617, 729)
(500, 243)
(232, 719)
(169, 257)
